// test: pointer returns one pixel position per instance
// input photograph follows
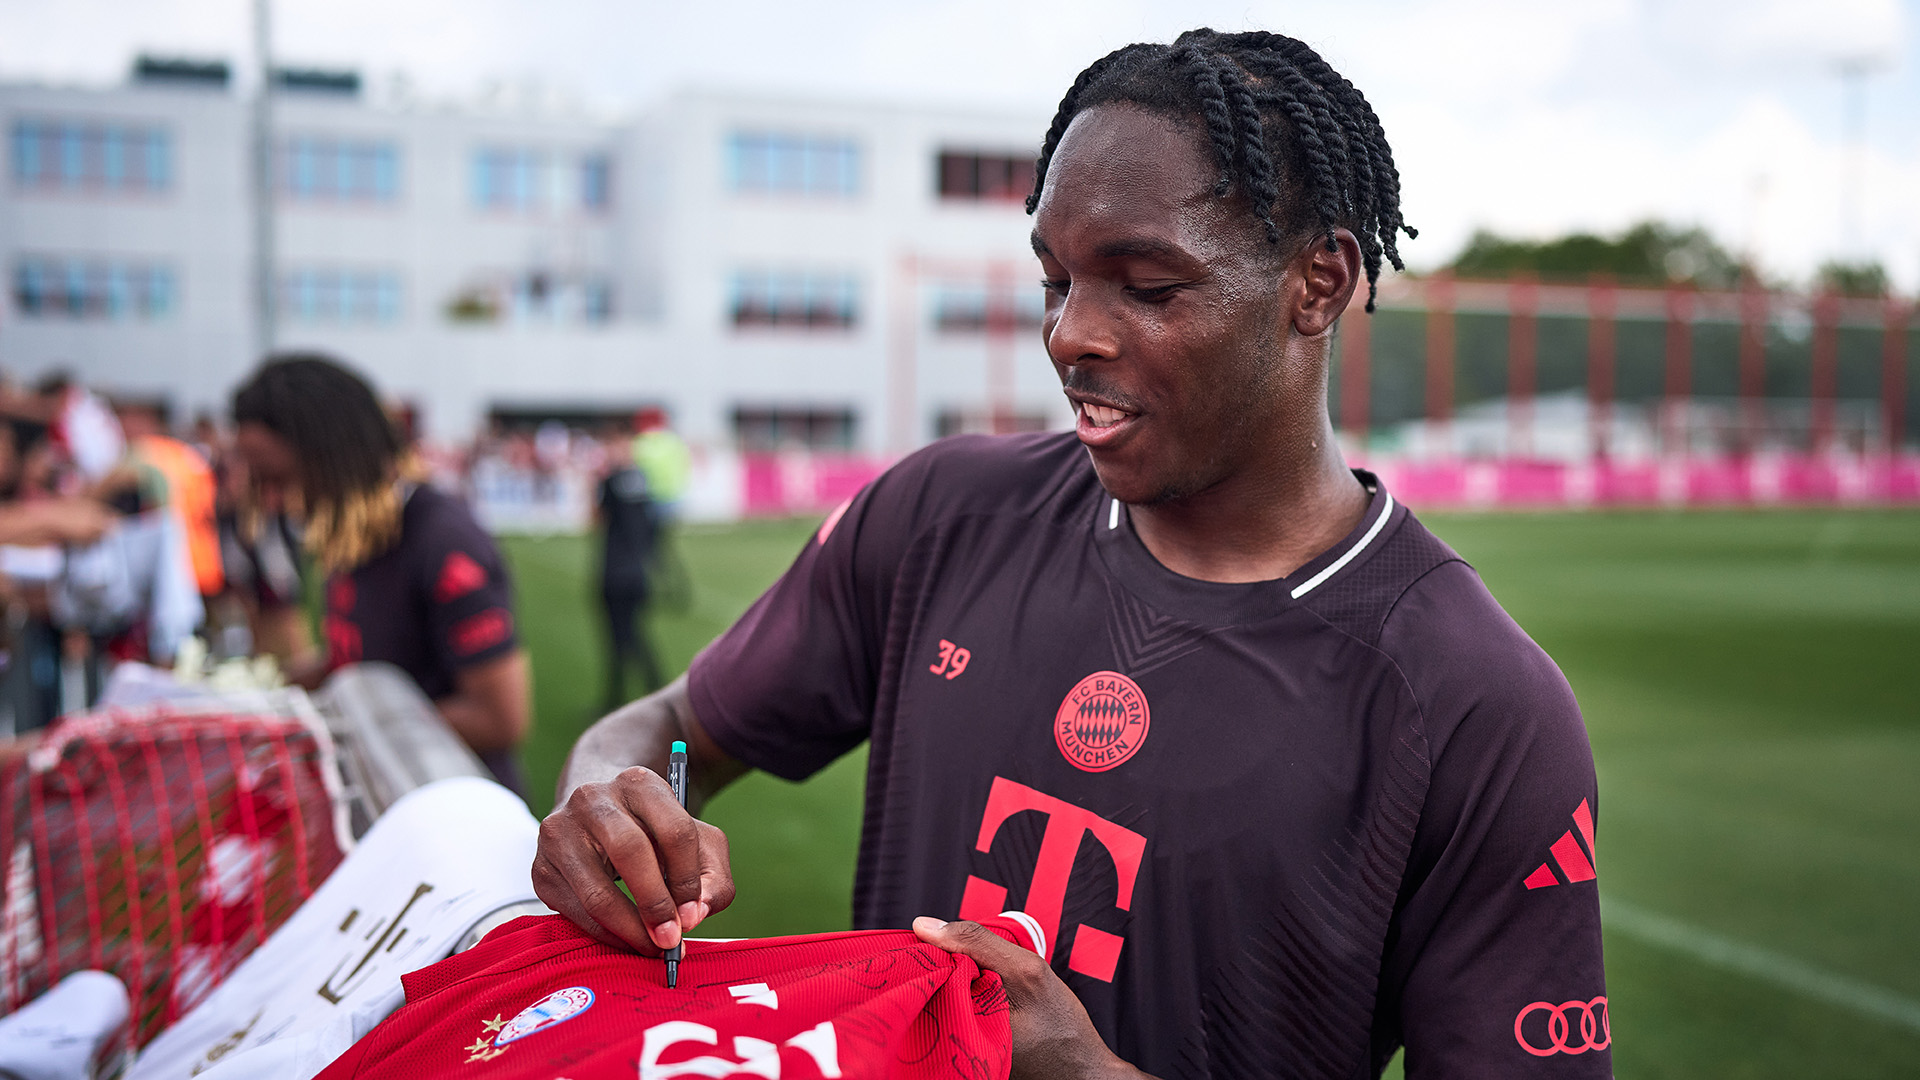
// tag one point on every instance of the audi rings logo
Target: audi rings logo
(1571, 1027)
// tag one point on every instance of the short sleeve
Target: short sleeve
(469, 600)
(791, 686)
(1494, 964)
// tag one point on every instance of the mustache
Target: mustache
(1082, 381)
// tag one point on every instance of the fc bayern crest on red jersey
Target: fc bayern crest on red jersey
(1102, 722)
(561, 1005)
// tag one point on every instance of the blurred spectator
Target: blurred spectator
(95, 565)
(662, 456)
(189, 489)
(413, 580)
(628, 527)
(260, 555)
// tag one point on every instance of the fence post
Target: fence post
(1679, 382)
(1753, 360)
(1893, 372)
(1000, 330)
(1826, 365)
(1523, 341)
(900, 390)
(1440, 355)
(1356, 332)
(1602, 302)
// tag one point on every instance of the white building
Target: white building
(771, 270)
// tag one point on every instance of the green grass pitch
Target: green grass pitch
(1752, 685)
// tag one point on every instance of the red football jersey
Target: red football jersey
(540, 1000)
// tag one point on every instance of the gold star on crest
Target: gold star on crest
(494, 1024)
(479, 1046)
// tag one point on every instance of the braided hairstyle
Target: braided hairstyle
(349, 453)
(1301, 144)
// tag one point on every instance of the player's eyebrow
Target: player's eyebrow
(1138, 247)
(1141, 247)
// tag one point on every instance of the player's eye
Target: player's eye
(1057, 286)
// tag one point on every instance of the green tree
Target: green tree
(1650, 253)
(1867, 278)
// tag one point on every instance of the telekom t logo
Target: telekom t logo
(1095, 952)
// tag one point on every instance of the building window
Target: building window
(520, 180)
(795, 298)
(781, 164)
(535, 297)
(985, 177)
(764, 430)
(963, 309)
(331, 295)
(91, 155)
(57, 287)
(986, 422)
(596, 186)
(321, 169)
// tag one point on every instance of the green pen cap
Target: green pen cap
(679, 747)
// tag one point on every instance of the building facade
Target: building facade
(773, 271)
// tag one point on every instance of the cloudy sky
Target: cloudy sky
(1527, 116)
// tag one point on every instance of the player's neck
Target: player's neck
(1258, 526)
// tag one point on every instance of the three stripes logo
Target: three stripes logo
(1576, 864)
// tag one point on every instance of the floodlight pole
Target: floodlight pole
(1853, 83)
(262, 176)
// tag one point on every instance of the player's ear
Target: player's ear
(1326, 280)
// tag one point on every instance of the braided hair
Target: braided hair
(1300, 143)
(349, 453)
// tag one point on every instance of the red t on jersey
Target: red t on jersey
(540, 1000)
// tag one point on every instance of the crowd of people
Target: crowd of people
(120, 540)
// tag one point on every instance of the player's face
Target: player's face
(1164, 316)
(270, 458)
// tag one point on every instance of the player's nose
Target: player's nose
(1082, 331)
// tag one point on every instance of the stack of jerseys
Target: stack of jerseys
(540, 1000)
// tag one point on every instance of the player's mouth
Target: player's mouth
(1100, 425)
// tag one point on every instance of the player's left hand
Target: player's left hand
(1053, 1037)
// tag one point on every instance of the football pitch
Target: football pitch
(1751, 682)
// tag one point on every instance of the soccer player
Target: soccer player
(1274, 772)
(412, 578)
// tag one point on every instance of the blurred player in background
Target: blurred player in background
(662, 457)
(1279, 779)
(629, 521)
(412, 578)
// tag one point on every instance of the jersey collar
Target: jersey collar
(1221, 604)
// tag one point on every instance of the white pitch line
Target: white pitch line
(1782, 971)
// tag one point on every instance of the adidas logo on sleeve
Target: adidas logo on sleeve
(540, 1000)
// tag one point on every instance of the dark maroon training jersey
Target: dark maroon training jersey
(1275, 829)
(435, 602)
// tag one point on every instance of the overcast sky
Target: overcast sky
(1525, 116)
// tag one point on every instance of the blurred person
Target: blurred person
(265, 566)
(84, 427)
(1318, 781)
(660, 454)
(625, 512)
(188, 475)
(412, 578)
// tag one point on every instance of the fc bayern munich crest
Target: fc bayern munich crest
(1102, 722)
(557, 1007)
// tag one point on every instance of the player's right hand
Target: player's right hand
(631, 829)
